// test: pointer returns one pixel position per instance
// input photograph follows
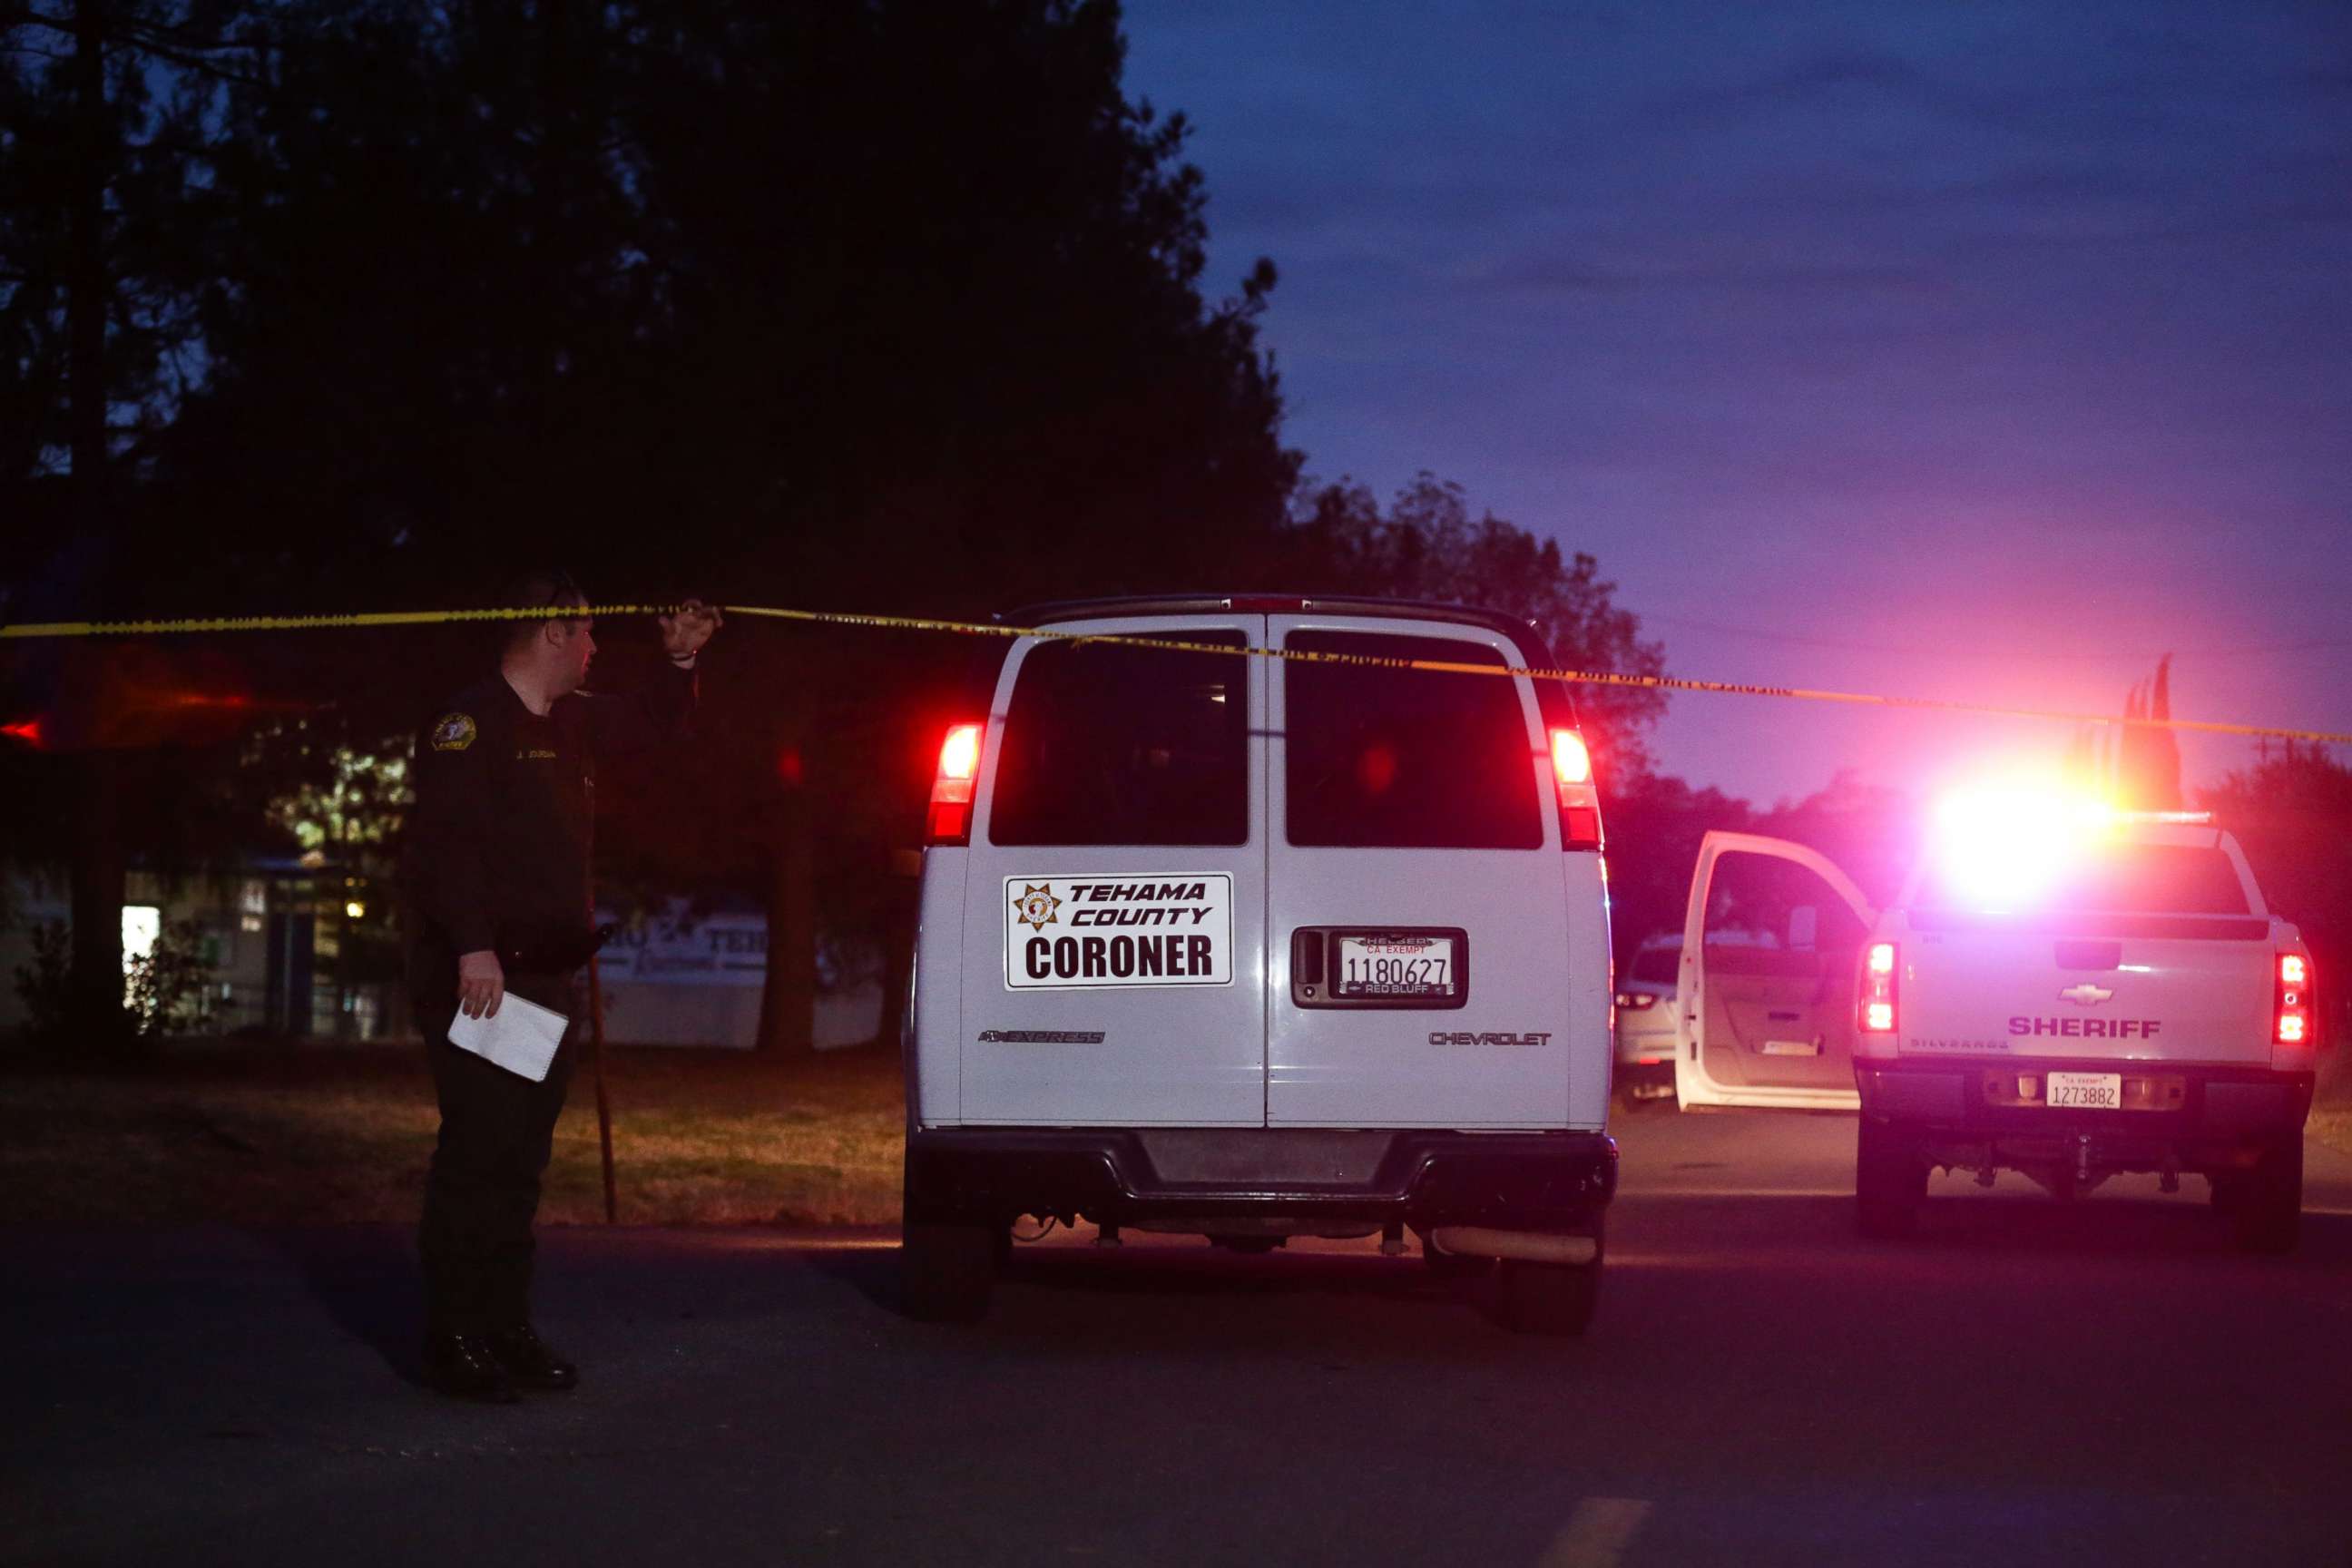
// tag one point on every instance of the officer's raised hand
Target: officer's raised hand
(684, 633)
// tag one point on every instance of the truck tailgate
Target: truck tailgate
(2123, 988)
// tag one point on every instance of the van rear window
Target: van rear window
(1119, 744)
(1406, 759)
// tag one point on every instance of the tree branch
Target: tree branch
(181, 37)
(26, 16)
(196, 62)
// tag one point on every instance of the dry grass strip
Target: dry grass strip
(326, 1135)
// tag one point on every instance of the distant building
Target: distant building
(291, 947)
(303, 949)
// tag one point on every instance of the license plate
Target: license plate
(1792, 1047)
(1396, 966)
(2085, 1092)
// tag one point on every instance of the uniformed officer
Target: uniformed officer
(500, 900)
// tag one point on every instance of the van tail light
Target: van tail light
(1876, 996)
(1580, 798)
(951, 813)
(2294, 1012)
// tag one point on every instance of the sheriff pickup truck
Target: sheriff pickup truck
(2069, 995)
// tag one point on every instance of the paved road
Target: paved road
(2023, 1384)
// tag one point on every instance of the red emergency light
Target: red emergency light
(2294, 1010)
(951, 813)
(1876, 996)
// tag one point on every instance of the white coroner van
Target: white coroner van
(1220, 944)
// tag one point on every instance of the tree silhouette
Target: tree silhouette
(2292, 813)
(106, 113)
(1427, 546)
(851, 303)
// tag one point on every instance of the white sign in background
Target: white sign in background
(1098, 929)
(678, 950)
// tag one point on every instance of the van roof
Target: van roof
(1522, 632)
(1556, 702)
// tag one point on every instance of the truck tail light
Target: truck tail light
(951, 813)
(1876, 996)
(1579, 799)
(2293, 1011)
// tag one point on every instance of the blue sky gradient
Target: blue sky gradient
(1982, 352)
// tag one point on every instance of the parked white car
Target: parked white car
(2068, 994)
(1251, 949)
(1646, 1019)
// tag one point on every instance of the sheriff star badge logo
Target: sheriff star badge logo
(1035, 906)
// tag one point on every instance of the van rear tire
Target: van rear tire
(1890, 1180)
(1554, 1299)
(2268, 1205)
(946, 1273)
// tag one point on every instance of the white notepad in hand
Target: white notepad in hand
(521, 1037)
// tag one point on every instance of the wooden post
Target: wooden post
(596, 1068)
(788, 1000)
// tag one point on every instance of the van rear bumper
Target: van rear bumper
(1556, 1182)
(2176, 1113)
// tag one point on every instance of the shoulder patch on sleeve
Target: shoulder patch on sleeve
(453, 732)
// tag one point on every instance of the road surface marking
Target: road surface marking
(1597, 1533)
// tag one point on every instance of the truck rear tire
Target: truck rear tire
(1890, 1180)
(947, 1272)
(2268, 1206)
(1554, 1299)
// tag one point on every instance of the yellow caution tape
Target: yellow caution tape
(974, 628)
(360, 620)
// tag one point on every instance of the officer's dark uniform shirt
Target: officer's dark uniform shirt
(501, 851)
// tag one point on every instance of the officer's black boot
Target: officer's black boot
(530, 1361)
(465, 1365)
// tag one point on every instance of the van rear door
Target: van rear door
(1765, 1001)
(1422, 971)
(1114, 909)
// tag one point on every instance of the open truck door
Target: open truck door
(1764, 999)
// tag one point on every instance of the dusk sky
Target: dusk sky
(1976, 352)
